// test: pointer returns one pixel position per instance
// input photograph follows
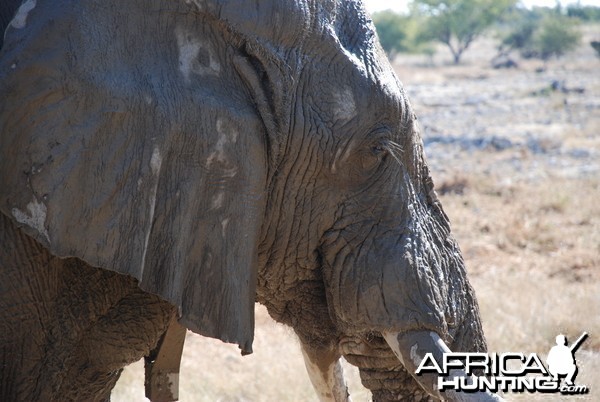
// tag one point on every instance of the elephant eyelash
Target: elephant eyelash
(395, 150)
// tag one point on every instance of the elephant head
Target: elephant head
(222, 151)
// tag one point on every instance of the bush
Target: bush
(523, 24)
(555, 37)
(596, 46)
(399, 33)
(390, 28)
(542, 33)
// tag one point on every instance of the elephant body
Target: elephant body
(193, 157)
(68, 328)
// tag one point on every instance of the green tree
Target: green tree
(556, 36)
(391, 31)
(399, 33)
(457, 23)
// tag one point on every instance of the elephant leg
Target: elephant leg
(66, 328)
(325, 373)
(29, 323)
(125, 334)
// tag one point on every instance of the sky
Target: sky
(400, 5)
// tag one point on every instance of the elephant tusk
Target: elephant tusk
(326, 374)
(411, 347)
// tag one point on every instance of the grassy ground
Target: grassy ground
(527, 217)
(534, 263)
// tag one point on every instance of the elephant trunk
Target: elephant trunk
(380, 370)
(387, 365)
(402, 278)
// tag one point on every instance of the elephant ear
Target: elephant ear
(8, 8)
(132, 141)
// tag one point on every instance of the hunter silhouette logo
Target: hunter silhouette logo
(514, 372)
(561, 359)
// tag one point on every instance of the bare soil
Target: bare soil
(517, 166)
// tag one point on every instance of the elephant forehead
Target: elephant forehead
(344, 104)
(341, 95)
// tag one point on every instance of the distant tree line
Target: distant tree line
(584, 13)
(539, 32)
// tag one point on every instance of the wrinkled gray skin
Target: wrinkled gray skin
(287, 116)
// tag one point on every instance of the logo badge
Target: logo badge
(508, 372)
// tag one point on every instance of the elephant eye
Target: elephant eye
(370, 160)
(378, 150)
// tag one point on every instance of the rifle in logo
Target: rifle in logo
(578, 342)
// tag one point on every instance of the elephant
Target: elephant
(183, 160)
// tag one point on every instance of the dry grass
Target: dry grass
(524, 311)
(533, 250)
(551, 227)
